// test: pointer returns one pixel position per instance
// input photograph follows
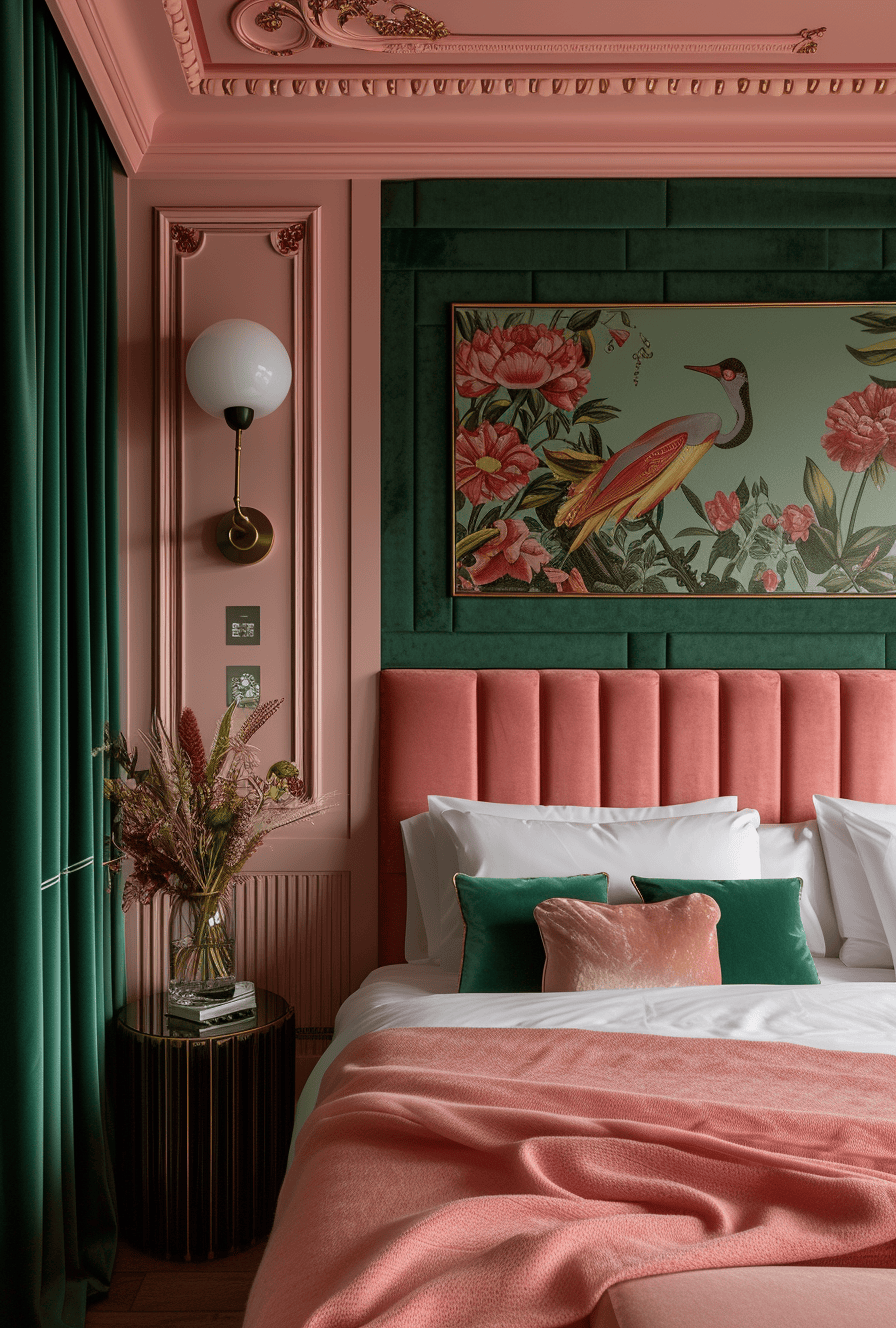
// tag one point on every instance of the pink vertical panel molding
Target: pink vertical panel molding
(868, 734)
(750, 723)
(630, 737)
(365, 623)
(810, 740)
(146, 947)
(293, 937)
(570, 737)
(289, 236)
(689, 735)
(509, 755)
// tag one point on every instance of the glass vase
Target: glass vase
(201, 946)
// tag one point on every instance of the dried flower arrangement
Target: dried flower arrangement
(190, 824)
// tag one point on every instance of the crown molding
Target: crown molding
(402, 29)
(698, 81)
(83, 30)
(395, 160)
(324, 18)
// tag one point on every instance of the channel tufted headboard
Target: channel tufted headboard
(624, 738)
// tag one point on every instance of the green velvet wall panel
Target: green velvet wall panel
(603, 241)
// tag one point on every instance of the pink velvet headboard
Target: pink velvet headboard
(625, 738)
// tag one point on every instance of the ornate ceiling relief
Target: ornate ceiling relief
(705, 65)
(405, 30)
(698, 83)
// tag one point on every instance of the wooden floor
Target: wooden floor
(156, 1293)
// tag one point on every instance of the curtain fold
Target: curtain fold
(62, 950)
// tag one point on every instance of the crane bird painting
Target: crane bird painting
(571, 478)
(643, 473)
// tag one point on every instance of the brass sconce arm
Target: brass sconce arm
(244, 535)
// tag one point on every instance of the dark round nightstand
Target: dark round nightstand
(203, 1129)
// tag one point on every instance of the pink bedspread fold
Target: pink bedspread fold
(504, 1178)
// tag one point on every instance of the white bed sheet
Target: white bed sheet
(851, 1010)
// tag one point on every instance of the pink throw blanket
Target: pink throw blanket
(504, 1178)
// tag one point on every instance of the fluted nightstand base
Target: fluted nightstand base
(203, 1130)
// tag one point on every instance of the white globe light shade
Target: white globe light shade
(238, 363)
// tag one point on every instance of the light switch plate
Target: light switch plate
(244, 685)
(243, 624)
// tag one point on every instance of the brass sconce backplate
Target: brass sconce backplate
(245, 545)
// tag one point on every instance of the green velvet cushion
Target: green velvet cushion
(760, 933)
(502, 943)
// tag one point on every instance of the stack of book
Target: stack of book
(211, 1018)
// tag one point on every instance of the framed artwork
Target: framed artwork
(728, 449)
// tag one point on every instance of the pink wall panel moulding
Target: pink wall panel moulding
(187, 566)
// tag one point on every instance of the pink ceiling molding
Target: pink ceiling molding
(810, 102)
(94, 46)
(394, 29)
(282, 29)
(698, 83)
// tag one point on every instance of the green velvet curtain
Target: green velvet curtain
(61, 940)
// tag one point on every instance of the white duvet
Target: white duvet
(852, 1010)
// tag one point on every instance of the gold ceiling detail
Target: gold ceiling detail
(807, 45)
(414, 24)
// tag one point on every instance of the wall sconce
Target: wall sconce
(238, 370)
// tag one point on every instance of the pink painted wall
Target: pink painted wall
(313, 467)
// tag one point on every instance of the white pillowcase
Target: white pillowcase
(430, 893)
(430, 862)
(422, 915)
(521, 811)
(865, 942)
(875, 843)
(795, 850)
(723, 845)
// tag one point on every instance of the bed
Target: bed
(624, 1158)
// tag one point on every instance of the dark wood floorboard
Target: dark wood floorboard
(158, 1293)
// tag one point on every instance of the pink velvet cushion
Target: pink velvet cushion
(776, 1297)
(593, 946)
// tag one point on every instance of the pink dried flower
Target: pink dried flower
(259, 716)
(189, 826)
(192, 746)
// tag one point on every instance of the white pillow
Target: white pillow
(430, 892)
(795, 850)
(521, 811)
(441, 915)
(723, 845)
(865, 944)
(422, 915)
(875, 843)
